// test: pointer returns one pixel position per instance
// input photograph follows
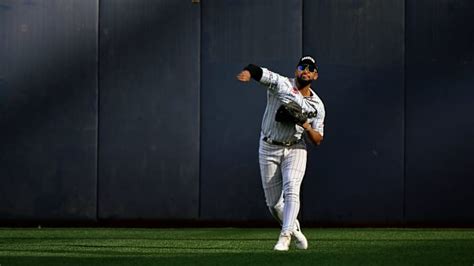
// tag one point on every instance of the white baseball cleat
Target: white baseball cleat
(283, 243)
(300, 240)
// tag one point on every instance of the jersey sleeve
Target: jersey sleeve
(281, 87)
(273, 81)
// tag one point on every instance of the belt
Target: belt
(281, 143)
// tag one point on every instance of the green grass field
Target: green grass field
(232, 246)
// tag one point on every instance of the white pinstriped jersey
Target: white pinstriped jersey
(283, 90)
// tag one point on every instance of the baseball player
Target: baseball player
(293, 109)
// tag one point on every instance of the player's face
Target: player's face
(306, 72)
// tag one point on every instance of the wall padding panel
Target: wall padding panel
(48, 109)
(149, 109)
(356, 175)
(234, 34)
(440, 96)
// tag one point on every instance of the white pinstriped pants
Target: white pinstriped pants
(282, 170)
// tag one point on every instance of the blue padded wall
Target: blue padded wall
(440, 96)
(356, 176)
(130, 110)
(149, 109)
(234, 34)
(48, 109)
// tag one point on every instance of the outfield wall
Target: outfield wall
(128, 110)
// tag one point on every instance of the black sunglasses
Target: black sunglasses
(311, 68)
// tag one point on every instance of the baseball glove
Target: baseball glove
(291, 113)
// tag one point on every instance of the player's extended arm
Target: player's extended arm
(275, 83)
(313, 135)
(250, 71)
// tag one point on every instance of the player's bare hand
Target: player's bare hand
(306, 126)
(244, 76)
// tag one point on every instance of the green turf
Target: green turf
(231, 246)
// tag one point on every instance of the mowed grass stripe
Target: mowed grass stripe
(109, 246)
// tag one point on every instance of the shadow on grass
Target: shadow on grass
(454, 252)
(269, 258)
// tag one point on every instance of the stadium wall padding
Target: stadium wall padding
(116, 110)
(356, 176)
(439, 104)
(149, 110)
(234, 34)
(48, 110)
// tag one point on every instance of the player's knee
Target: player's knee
(292, 195)
(291, 191)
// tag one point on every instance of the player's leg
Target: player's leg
(277, 209)
(269, 159)
(293, 170)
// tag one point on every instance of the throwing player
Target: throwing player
(282, 149)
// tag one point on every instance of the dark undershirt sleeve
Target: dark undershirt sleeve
(255, 71)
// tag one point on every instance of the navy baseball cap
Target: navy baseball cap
(307, 60)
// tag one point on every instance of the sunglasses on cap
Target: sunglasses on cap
(311, 68)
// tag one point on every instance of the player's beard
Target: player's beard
(302, 82)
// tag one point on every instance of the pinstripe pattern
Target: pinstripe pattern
(282, 90)
(282, 168)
